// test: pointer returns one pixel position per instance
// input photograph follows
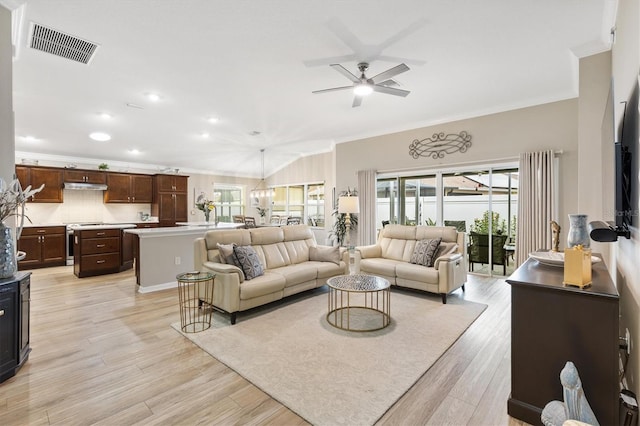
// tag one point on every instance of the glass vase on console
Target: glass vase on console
(578, 233)
(207, 212)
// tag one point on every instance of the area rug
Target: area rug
(330, 376)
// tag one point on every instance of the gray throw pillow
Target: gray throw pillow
(249, 261)
(226, 254)
(325, 254)
(425, 251)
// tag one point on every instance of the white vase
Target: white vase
(578, 233)
(8, 265)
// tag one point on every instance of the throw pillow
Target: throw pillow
(425, 251)
(226, 254)
(445, 248)
(325, 254)
(249, 261)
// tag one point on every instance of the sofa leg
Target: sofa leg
(233, 316)
(463, 287)
(444, 298)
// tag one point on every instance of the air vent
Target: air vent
(60, 44)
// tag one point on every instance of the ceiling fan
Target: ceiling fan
(363, 86)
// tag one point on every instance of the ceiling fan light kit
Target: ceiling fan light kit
(363, 86)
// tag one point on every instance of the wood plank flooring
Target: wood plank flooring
(104, 354)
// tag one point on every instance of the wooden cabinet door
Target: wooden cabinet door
(52, 180)
(118, 188)
(181, 183)
(166, 209)
(53, 248)
(141, 189)
(30, 244)
(8, 353)
(172, 183)
(181, 208)
(85, 176)
(22, 174)
(24, 323)
(126, 251)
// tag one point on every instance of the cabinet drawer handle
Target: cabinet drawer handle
(100, 233)
(100, 245)
(41, 231)
(100, 261)
(1, 312)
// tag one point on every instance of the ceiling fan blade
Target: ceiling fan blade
(391, 72)
(357, 101)
(333, 89)
(342, 70)
(390, 90)
(389, 83)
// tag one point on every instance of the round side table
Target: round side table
(195, 293)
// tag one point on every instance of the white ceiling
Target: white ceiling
(254, 63)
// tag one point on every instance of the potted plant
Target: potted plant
(262, 211)
(339, 229)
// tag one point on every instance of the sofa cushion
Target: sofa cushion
(446, 233)
(379, 266)
(412, 272)
(273, 255)
(325, 254)
(327, 270)
(263, 285)
(297, 274)
(425, 251)
(249, 262)
(445, 248)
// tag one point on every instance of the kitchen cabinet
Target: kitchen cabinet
(35, 176)
(128, 188)
(170, 200)
(85, 176)
(96, 251)
(15, 297)
(126, 251)
(552, 323)
(44, 246)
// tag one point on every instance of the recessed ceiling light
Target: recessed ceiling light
(204, 135)
(30, 138)
(134, 151)
(213, 120)
(153, 97)
(100, 136)
(105, 115)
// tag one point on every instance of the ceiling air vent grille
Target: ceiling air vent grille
(61, 44)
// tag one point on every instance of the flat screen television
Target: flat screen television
(623, 185)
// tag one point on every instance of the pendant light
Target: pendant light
(261, 190)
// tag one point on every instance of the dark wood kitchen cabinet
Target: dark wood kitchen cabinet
(170, 200)
(44, 246)
(128, 188)
(551, 324)
(85, 176)
(35, 176)
(96, 251)
(126, 251)
(15, 297)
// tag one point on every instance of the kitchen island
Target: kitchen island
(162, 253)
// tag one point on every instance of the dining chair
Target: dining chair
(293, 221)
(275, 219)
(238, 218)
(249, 222)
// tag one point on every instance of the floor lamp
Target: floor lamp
(348, 205)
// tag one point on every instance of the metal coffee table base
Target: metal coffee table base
(359, 302)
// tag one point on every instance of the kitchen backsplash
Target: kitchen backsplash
(84, 206)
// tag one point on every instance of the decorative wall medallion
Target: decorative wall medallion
(440, 144)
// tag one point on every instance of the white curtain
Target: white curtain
(367, 216)
(536, 203)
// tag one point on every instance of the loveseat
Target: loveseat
(398, 245)
(289, 258)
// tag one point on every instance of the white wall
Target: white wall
(502, 136)
(7, 142)
(625, 66)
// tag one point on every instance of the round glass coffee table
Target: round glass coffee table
(359, 302)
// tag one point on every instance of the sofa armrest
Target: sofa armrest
(446, 258)
(226, 289)
(199, 253)
(369, 251)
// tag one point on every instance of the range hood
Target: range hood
(85, 186)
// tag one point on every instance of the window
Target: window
(228, 201)
(304, 201)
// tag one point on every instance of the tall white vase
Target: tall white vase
(578, 233)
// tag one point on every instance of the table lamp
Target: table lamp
(348, 205)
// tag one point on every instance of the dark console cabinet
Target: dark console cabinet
(551, 324)
(15, 296)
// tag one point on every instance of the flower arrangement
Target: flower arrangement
(12, 197)
(262, 211)
(206, 205)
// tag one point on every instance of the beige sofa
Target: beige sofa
(284, 252)
(390, 258)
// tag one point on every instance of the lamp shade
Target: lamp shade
(348, 205)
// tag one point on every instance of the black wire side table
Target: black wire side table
(195, 294)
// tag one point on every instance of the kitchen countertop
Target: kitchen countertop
(181, 230)
(105, 226)
(109, 225)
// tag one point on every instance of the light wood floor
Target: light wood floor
(104, 354)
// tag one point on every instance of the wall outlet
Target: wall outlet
(178, 260)
(627, 337)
